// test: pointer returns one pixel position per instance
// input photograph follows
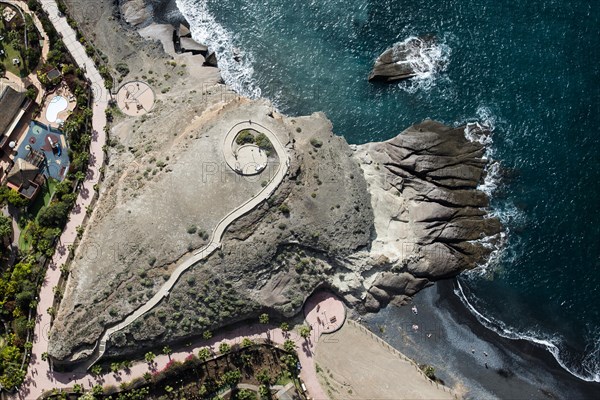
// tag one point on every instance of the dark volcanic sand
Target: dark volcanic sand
(516, 369)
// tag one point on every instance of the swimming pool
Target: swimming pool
(56, 105)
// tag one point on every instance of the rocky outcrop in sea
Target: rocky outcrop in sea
(374, 223)
(402, 61)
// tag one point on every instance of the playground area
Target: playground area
(46, 147)
(135, 98)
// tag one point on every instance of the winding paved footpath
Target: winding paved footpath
(217, 234)
(39, 377)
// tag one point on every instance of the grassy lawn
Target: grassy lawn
(9, 51)
(283, 379)
(44, 197)
(24, 244)
(40, 202)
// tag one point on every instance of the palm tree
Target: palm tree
(97, 370)
(150, 356)
(263, 319)
(289, 346)
(167, 350)
(224, 348)
(6, 230)
(203, 354)
(80, 176)
(305, 331)
(264, 392)
(115, 367)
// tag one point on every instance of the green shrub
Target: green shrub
(54, 216)
(263, 142)
(245, 137)
(122, 68)
(429, 371)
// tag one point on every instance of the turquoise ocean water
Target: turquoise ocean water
(529, 69)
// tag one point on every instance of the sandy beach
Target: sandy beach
(352, 364)
(459, 347)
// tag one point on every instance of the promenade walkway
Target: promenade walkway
(39, 376)
(43, 379)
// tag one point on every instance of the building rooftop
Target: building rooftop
(11, 101)
(24, 178)
(53, 74)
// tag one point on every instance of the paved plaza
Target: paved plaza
(135, 98)
(324, 312)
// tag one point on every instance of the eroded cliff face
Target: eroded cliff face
(430, 218)
(375, 223)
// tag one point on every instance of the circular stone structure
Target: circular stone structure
(135, 98)
(250, 159)
(325, 313)
(247, 158)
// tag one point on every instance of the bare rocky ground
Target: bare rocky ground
(273, 258)
(364, 221)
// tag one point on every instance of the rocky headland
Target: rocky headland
(375, 223)
(429, 216)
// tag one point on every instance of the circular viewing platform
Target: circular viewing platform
(135, 98)
(247, 148)
(324, 312)
(250, 159)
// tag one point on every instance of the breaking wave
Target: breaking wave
(428, 60)
(235, 64)
(586, 369)
(482, 130)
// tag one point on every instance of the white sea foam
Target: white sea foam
(428, 62)
(589, 366)
(482, 131)
(235, 64)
